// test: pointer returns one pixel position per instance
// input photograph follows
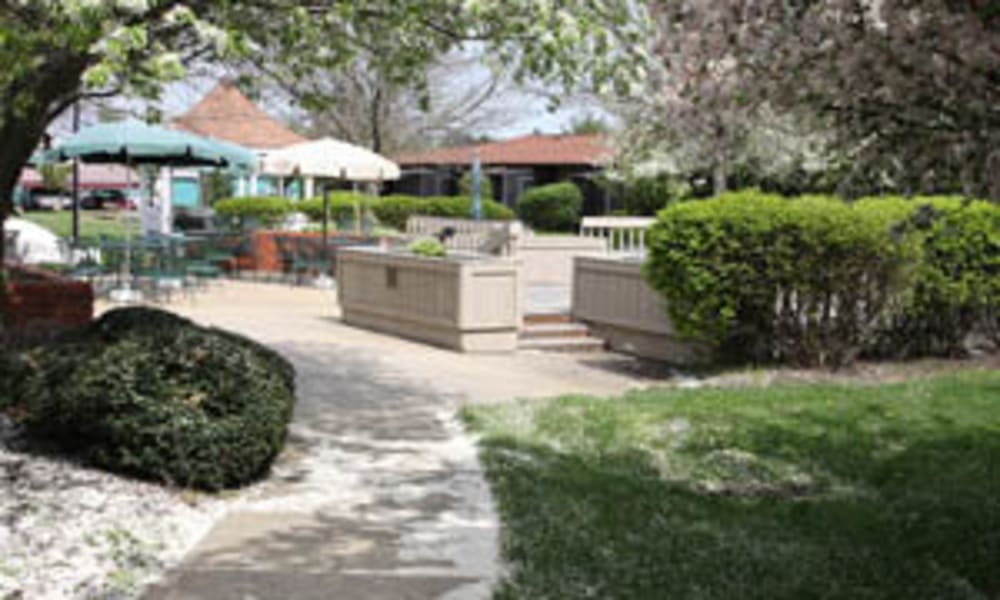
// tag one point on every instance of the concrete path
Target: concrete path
(379, 494)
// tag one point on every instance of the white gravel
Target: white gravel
(67, 531)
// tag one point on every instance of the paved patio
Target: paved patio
(379, 494)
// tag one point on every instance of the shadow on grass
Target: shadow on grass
(871, 506)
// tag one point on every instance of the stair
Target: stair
(556, 332)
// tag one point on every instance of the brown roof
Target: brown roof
(588, 149)
(226, 114)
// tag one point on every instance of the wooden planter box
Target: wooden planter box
(612, 298)
(470, 305)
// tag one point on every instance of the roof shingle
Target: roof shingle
(592, 150)
(226, 114)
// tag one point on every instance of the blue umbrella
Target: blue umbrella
(136, 143)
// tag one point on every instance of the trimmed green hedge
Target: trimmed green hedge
(815, 280)
(553, 207)
(393, 211)
(148, 394)
(267, 210)
(956, 285)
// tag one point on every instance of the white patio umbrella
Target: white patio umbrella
(332, 159)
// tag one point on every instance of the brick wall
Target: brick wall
(38, 304)
(265, 255)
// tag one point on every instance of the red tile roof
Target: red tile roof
(529, 150)
(226, 114)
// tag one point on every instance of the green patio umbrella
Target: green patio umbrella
(133, 143)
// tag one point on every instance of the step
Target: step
(554, 330)
(547, 317)
(572, 344)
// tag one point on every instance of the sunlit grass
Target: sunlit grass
(788, 492)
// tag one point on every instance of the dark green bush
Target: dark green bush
(266, 210)
(149, 394)
(553, 207)
(956, 286)
(807, 281)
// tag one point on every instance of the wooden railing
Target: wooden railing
(624, 235)
(499, 238)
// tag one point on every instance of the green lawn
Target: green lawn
(788, 492)
(93, 223)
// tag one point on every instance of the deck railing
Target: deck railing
(624, 235)
(500, 238)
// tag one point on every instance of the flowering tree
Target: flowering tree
(906, 87)
(55, 52)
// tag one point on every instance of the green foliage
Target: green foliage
(393, 211)
(956, 288)
(343, 207)
(790, 491)
(485, 186)
(553, 207)
(808, 281)
(428, 247)
(266, 210)
(645, 196)
(146, 393)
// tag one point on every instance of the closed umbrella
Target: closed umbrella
(134, 143)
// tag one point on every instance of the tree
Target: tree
(588, 124)
(899, 89)
(56, 52)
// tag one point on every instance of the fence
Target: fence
(484, 237)
(625, 235)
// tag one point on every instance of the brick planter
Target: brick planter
(266, 256)
(38, 304)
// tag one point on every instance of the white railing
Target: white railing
(484, 237)
(625, 235)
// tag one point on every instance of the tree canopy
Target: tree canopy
(55, 52)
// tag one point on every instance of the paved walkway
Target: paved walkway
(379, 494)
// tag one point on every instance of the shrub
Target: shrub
(394, 211)
(265, 210)
(343, 207)
(485, 186)
(553, 207)
(956, 287)
(808, 281)
(428, 247)
(149, 394)
(648, 195)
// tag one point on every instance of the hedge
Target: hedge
(553, 207)
(267, 210)
(393, 211)
(815, 280)
(148, 394)
(956, 285)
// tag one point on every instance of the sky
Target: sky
(533, 112)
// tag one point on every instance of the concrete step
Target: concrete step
(554, 330)
(562, 344)
(547, 318)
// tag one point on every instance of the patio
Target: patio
(379, 493)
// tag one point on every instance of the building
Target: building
(226, 114)
(513, 166)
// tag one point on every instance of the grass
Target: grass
(93, 223)
(790, 492)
